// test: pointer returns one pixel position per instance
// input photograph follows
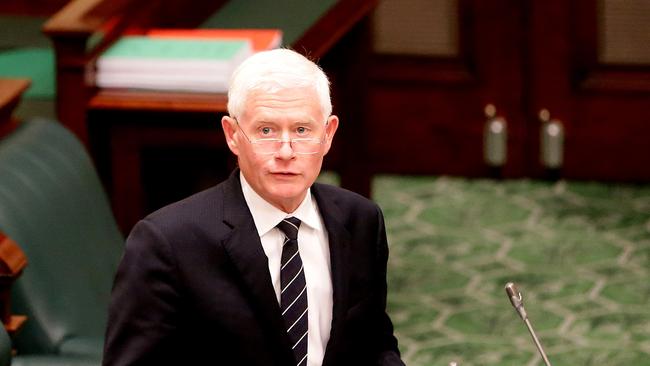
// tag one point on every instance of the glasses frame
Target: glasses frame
(291, 141)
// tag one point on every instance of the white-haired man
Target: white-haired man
(268, 267)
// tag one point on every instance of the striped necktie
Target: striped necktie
(293, 298)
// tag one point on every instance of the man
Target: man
(267, 268)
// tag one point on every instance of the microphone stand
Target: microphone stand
(518, 303)
(537, 344)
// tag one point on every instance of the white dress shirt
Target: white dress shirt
(313, 246)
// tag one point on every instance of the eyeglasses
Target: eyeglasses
(302, 146)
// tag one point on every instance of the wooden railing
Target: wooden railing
(12, 263)
(11, 91)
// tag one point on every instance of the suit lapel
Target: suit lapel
(339, 242)
(246, 253)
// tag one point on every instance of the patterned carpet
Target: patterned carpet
(580, 253)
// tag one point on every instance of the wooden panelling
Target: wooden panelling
(31, 7)
(417, 27)
(624, 32)
(427, 113)
(603, 106)
(521, 56)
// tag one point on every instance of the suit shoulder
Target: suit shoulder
(347, 200)
(197, 208)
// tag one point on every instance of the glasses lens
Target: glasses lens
(306, 146)
(267, 146)
(299, 146)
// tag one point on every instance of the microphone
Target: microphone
(518, 303)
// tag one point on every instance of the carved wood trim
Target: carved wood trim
(12, 263)
(12, 258)
(115, 99)
(446, 71)
(593, 75)
(420, 69)
(11, 90)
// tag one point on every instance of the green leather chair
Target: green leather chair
(5, 348)
(53, 205)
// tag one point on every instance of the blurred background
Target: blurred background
(505, 140)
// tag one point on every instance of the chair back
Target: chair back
(53, 205)
(5, 348)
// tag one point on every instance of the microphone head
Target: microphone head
(516, 299)
(512, 290)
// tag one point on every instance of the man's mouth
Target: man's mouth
(284, 174)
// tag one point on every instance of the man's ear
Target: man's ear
(330, 130)
(230, 132)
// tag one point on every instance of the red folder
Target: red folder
(261, 39)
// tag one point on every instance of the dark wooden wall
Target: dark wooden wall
(31, 7)
(427, 112)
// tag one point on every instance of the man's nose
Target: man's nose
(286, 150)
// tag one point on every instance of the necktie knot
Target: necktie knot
(289, 227)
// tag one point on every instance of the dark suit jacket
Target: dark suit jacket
(194, 287)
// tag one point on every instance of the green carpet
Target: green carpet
(580, 253)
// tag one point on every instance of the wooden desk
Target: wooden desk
(127, 122)
(158, 101)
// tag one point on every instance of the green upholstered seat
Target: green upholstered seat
(55, 360)
(5, 348)
(53, 205)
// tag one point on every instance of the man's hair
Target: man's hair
(273, 71)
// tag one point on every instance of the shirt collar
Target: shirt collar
(266, 216)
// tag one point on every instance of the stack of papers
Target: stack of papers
(193, 60)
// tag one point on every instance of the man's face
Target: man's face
(281, 178)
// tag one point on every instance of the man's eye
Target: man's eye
(301, 130)
(265, 130)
